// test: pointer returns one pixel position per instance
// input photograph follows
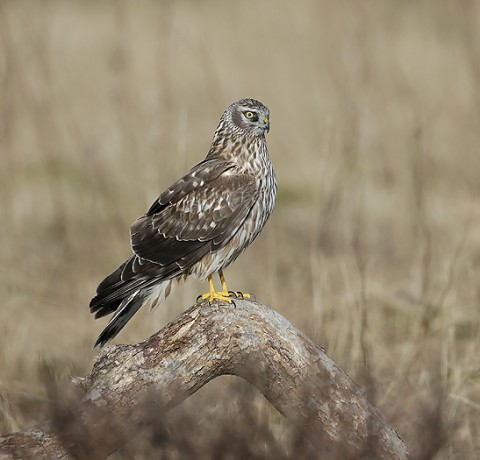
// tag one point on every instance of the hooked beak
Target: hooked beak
(266, 125)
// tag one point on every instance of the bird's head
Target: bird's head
(248, 117)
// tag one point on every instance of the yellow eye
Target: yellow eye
(249, 114)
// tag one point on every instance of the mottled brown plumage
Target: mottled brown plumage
(200, 224)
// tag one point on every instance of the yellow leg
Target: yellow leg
(215, 295)
(222, 280)
(231, 293)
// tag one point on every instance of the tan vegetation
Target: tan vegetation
(376, 142)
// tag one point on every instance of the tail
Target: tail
(128, 307)
(124, 292)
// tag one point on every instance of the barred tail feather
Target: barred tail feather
(129, 306)
(125, 311)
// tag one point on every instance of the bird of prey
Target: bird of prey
(200, 224)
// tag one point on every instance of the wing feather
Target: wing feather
(191, 222)
(198, 214)
(204, 172)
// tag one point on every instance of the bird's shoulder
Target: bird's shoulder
(200, 175)
(208, 206)
(210, 192)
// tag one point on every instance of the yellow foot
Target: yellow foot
(216, 295)
(223, 295)
(241, 295)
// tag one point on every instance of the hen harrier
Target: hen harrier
(200, 224)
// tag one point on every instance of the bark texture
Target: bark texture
(248, 340)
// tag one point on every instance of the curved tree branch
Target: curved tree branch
(250, 341)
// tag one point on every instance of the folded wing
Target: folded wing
(198, 214)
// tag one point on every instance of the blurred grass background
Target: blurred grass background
(374, 247)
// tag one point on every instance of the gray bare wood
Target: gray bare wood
(248, 340)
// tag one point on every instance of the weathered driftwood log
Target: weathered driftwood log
(248, 340)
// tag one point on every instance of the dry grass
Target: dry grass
(374, 247)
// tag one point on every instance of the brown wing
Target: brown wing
(202, 173)
(193, 223)
(197, 214)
